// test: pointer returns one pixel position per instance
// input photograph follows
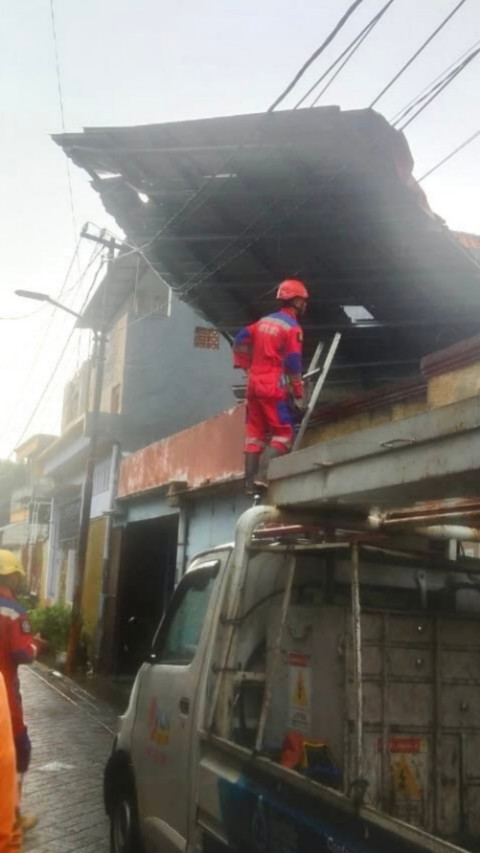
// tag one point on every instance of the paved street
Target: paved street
(72, 737)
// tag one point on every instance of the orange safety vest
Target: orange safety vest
(10, 833)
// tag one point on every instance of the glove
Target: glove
(299, 405)
(23, 749)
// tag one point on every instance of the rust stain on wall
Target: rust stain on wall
(209, 452)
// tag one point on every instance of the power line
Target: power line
(332, 65)
(188, 203)
(198, 280)
(90, 289)
(438, 89)
(24, 316)
(285, 215)
(404, 111)
(316, 53)
(62, 111)
(46, 387)
(58, 362)
(54, 309)
(345, 62)
(449, 156)
(200, 191)
(340, 69)
(350, 50)
(30, 372)
(57, 63)
(63, 292)
(180, 214)
(418, 52)
(207, 273)
(371, 26)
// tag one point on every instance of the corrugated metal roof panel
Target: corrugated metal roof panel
(236, 204)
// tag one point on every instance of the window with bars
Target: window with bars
(205, 338)
(101, 477)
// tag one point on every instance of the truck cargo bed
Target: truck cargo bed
(372, 656)
(251, 804)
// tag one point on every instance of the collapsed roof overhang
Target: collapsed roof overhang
(225, 208)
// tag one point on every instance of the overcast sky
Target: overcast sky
(126, 62)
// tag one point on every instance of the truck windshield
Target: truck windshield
(179, 635)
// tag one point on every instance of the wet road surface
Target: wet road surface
(72, 737)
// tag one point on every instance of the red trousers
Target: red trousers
(268, 422)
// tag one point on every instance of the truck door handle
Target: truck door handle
(184, 705)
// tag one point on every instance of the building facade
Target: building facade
(176, 497)
(164, 370)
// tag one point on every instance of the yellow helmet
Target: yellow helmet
(10, 564)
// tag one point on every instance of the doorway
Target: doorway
(147, 580)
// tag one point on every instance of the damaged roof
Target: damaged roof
(225, 208)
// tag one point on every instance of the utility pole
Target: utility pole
(74, 635)
(100, 342)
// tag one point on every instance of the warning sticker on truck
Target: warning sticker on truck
(407, 758)
(300, 692)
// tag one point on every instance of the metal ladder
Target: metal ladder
(321, 372)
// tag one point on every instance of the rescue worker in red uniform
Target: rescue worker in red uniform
(17, 646)
(271, 351)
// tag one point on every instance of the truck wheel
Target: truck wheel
(124, 827)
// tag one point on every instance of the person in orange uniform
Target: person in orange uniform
(17, 646)
(10, 832)
(271, 351)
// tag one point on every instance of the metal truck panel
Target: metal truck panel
(421, 706)
(418, 458)
(255, 804)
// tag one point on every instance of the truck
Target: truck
(313, 686)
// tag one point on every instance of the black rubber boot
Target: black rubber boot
(268, 454)
(252, 461)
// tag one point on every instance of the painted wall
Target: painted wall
(210, 452)
(79, 391)
(169, 384)
(147, 508)
(113, 375)
(212, 520)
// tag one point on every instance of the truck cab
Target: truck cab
(149, 779)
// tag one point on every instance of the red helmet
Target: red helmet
(290, 288)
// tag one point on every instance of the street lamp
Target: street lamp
(100, 340)
(44, 297)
